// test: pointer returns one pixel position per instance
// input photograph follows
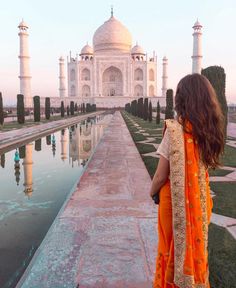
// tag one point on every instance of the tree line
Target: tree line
(68, 110)
(143, 109)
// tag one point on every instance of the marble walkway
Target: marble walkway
(105, 235)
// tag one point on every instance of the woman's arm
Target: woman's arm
(161, 175)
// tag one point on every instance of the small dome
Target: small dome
(86, 50)
(61, 58)
(137, 50)
(112, 35)
(23, 24)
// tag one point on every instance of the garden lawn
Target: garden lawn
(225, 199)
(222, 255)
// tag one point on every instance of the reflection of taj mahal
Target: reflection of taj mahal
(111, 73)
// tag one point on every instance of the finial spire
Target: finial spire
(112, 12)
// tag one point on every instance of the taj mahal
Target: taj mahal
(110, 73)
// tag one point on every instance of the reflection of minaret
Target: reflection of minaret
(64, 136)
(28, 175)
(74, 144)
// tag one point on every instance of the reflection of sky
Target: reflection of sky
(52, 178)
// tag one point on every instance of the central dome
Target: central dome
(112, 35)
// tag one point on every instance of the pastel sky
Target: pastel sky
(58, 26)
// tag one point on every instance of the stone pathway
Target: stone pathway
(105, 235)
(13, 137)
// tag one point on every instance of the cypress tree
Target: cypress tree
(140, 107)
(150, 112)
(135, 107)
(76, 107)
(36, 109)
(48, 139)
(20, 109)
(169, 104)
(1, 110)
(38, 145)
(22, 152)
(216, 75)
(72, 108)
(3, 160)
(145, 109)
(62, 109)
(68, 110)
(158, 116)
(47, 108)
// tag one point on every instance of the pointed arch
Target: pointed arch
(151, 75)
(138, 90)
(151, 90)
(85, 75)
(138, 74)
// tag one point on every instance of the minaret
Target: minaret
(164, 76)
(64, 142)
(62, 78)
(25, 78)
(28, 171)
(197, 48)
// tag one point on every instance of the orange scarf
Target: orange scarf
(184, 214)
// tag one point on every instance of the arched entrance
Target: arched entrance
(112, 82)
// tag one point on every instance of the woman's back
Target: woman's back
(185, 202)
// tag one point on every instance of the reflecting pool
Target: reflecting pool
(35, 180)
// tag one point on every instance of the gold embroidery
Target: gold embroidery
(203, 201)
(190, 140)
(177, 181)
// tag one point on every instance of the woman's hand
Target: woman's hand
(161, 175)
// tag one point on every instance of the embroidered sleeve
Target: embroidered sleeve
(163, 148)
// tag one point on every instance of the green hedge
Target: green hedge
(47, 108)
(169, 114)
(1, 110)
(20, 109)
(36, 108)
(216, 75)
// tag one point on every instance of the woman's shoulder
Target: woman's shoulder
(172, 124)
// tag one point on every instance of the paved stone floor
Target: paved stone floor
(105, 235)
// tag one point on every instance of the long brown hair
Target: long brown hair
(196, 102)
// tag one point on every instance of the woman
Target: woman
(191, 144)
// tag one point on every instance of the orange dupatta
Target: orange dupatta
(183, 216)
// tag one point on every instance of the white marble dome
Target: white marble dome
(137, 50)
(112, 35)
(86, 50)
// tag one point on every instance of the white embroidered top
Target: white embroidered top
(164, 146)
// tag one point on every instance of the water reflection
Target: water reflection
(28, 169)
(77, 144)
(34, 186)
